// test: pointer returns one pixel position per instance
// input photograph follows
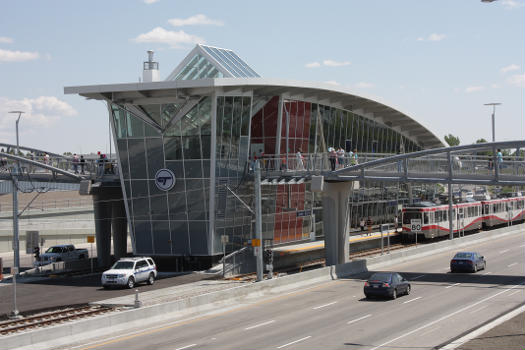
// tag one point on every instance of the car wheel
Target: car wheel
(394, 294)
(106, 287)
(484, 265)
(131, 282)
(475, 268)
(367, 296)
(408, 290)
(151, 279)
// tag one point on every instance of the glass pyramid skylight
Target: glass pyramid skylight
(212, 62)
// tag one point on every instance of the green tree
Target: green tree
(481, 140)
(452, 140)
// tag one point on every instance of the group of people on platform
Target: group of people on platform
(338, 159)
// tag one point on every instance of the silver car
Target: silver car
(130, 271)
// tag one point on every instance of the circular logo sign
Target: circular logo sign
(165, 179)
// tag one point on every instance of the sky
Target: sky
(438, 61)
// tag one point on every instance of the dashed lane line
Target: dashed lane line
(325, 305)
(452, 285)
(359, 319)
(411, 300)
(504, 251)
(186, 347)
(415, 278)
(259, 325)
(515, 263)
(293, 342)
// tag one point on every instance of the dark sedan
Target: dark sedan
(386, 284)
(467, 261)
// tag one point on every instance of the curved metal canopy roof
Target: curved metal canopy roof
(326, 94)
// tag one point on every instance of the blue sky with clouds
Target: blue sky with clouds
(437, 60)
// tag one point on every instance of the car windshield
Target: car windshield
(54, 250)
(463, 256)
(123, 265)
(383, 277)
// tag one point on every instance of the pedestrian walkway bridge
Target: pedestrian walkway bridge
(470, 164)
(477, 164)
(41, 166)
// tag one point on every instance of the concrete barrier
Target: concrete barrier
(120, 321)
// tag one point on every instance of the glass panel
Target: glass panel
(135, 126)
(152, 111)
(179, 237)
(191, 147)
(155, 156)
(137, 161)
(122, 146)
(198, 237)
(143, 238)
(173, 148)
(193, 168)
(162, 237)
(120, 122)
(159, 207)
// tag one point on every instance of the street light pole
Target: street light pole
(494, 104)
(16, 241)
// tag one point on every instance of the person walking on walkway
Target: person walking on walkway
(369, 224)
(82, 164)
(300, 158)
(341, 157)
(75, 163)
(354, 157)
(362, 224)
(332, 156)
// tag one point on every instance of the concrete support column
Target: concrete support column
(336, 221)
(102, 209)
(119, 229)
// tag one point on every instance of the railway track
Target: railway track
(50, 318)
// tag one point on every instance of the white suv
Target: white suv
(129, 271)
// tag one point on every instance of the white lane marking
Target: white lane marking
(325, 305)
(259, 325)
(447, 316)
(512, 264)
(185, 347)
(411, 300)
(415, 278)
(293, 342)
(479, 308)
(487, 273)
(504, 251)
(452, 285)
(514, 292)
(430, 330)
(359, 319)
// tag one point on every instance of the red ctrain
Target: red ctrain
(431, 220)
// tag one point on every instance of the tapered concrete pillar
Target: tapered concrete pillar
(336, 221)
(102, 209)
(119, 229)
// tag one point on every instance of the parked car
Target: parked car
(467, 261)
(386, 284)
(63, 252)
(130, 271)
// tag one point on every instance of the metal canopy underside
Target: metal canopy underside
(177, 91)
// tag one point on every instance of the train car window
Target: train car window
(426, 218)
(439, 216)
(445, 216)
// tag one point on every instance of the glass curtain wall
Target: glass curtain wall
(174, 222)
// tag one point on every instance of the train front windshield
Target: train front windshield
(409, 215)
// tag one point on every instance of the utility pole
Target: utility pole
(14, 176)
(494, 104)
(258, 221)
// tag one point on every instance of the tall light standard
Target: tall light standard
(16, 171)
(494, 104)
(16, 240)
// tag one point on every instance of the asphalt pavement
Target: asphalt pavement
(335, 315)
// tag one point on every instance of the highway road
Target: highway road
(335, 315)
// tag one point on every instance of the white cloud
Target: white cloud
(517, 80)
(5, 40)
(328, 63)
(39, 112)
(495, 86)
(511, 4)
(149, 2)
(199, 19)
(471, 89)
(364, 85)
(313, 65)
(17, 56)
(432, 37)
(332, 82)
(510, 68)
(163, 36)
(331, 63)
